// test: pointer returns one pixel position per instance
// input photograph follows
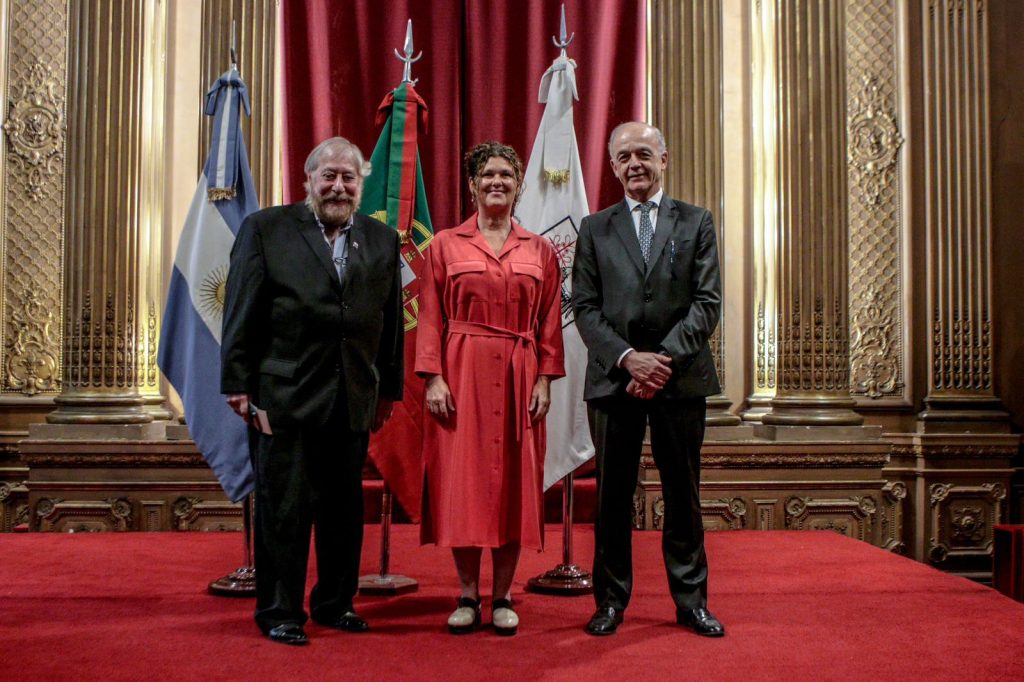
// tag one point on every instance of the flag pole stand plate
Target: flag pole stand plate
(567, 580)
(386, 585)
(239, 583)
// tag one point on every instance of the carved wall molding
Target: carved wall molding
(891, 515)
(876, 178)
(811, 460)
(962, 517)
(32, 362)
(35, 130)
(33, 203)
(874, 140)
(953, 451)
(111, 514)
(193, 513)
(89, 459)
(724, 513)
(851, 516)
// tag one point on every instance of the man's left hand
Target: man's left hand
(385, 406)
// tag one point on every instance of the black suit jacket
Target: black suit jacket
(671, 305)
(292, 331)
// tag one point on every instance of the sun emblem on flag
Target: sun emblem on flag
(211, 291)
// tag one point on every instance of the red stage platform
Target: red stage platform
(797, 605)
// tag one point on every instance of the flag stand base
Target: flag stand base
(564, 579)
(242, 581)
(386, 585)
(239, 583)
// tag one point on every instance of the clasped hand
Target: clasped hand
(649, 371)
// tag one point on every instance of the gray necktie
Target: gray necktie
(646, 228)
(339, 253)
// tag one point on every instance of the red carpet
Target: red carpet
(811, 605)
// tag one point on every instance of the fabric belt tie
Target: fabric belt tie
(524, 363)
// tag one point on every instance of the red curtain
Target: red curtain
(481, 68)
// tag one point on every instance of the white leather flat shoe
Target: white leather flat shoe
(505, 620)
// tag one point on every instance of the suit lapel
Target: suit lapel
(622, 223)
(662, 232)
(314, 238)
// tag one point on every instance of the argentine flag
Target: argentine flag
(190, 340)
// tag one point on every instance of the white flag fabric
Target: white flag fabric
(553, 203)
(189, 354)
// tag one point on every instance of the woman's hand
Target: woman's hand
(439, 397)
(540, 401)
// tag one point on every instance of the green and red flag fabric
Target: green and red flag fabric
(394, 194)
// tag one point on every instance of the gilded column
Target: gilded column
(764, 209)
(958, 214)
(811, 214)
(686, 90)
(109, 229)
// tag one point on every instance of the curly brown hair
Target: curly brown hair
(477, 157)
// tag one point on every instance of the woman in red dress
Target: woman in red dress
(489, 342)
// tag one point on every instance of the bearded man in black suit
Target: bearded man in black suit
(647, 296)
(312, 356)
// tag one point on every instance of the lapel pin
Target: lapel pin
(355, 245)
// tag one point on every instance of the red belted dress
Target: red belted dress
(490, 325)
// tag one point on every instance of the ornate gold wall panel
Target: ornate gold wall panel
(878, 357)
(812, 234)
(255, 26)
(33, 195)
(686, 90)
(957, 201)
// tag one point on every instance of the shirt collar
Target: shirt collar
(344, 228)
(632, 203)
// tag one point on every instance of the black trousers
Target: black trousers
(306, 477)
(677, 432)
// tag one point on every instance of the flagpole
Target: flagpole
(385, 583)
(242, 581)
(565, 579)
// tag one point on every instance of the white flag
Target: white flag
(553, 203)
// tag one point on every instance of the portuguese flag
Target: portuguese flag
(394, 194)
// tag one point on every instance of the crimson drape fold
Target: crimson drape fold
(482, 60)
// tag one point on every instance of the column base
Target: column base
(814, 410)
(757, 407)
(943, 414)
(99, 408)
(155, 406)
(718, 412)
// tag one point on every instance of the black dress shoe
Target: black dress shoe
(701, 621)
(350, 621)
(604, 621)
(288, 633)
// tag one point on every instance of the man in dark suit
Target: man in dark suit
(647, 295)
(312, 358)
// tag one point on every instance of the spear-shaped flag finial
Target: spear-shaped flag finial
(408, 59)
(561, 42)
